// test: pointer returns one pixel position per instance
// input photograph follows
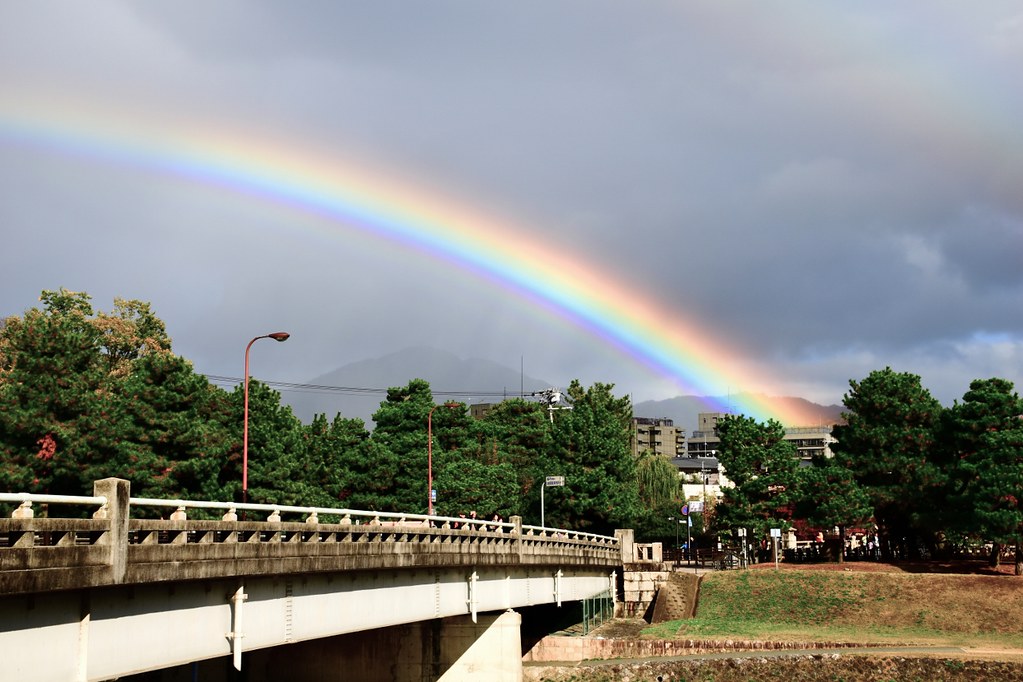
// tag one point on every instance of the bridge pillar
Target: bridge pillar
(118, 494)
(444, 650)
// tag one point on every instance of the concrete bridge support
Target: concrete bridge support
(444, 650)
(451, 649)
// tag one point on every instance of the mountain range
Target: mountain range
(357, 389)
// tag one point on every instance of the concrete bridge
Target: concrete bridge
(116, 594)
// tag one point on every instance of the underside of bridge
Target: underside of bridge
(449, 649)
(446, 649)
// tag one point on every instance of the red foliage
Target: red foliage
(47, 447)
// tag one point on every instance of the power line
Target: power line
(347, 390)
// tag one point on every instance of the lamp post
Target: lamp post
(429, 457)
(276, 336)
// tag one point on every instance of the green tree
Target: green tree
(889, 443)
(369, 478)
(987, 430)
(90, 395)
(762, 466)
(164, 419)
(467, 483)
(277, 466)
(401, 429)
(658, 480)
(468, 471)
(829, 496)
(591, 449)
(331, 449)
(54, 389)
(660, 490)
(213, 471)
(518, 433)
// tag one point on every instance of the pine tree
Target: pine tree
(889, 442)
(330, 449)
(518, 433)
(988, 437)
(762, 466)
(55, 393)
(401, 431)
(591, 449)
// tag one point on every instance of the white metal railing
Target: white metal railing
(97, 500)
(274, 511)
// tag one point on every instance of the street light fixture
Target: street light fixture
(429, 456)
(276, 336)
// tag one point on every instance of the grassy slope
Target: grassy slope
(964, 610)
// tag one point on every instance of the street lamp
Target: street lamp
(276, 336)
(429, 457)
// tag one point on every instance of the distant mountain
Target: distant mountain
(357, 389)
(684, 410)
(447, 373)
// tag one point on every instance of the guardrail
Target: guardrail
(113, 548)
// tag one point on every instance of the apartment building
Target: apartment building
(810, 441)
(659, 435)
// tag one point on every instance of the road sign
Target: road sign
(776, 532)
(685, 510)
(433, 495)
(554, 481)
(696, 506)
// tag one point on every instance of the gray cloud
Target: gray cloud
(834, 190)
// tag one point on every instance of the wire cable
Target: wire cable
(291, 387)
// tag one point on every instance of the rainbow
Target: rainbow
(386, 208)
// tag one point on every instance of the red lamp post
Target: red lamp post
(429, 456)
(276, 336)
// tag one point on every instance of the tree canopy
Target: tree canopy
(890, 442)
(762, 465)
(90, 394)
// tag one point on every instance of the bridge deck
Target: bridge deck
(46, 554)
(178, 588)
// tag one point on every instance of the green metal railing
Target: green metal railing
(597, 610)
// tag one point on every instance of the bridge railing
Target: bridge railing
(108, 547)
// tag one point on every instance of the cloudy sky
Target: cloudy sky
(800, 193)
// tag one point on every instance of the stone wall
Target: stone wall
(642, 575)
(572, 649)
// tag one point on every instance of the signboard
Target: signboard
(554, 481)
(696, 506)
(776, 532)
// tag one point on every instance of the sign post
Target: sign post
(742, 547)
(697, 507)
(553, 482)
(689, 535)
(775, 535)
